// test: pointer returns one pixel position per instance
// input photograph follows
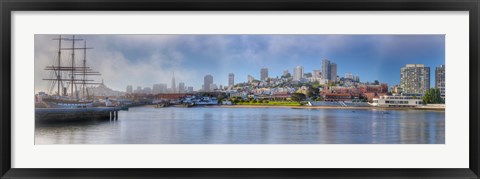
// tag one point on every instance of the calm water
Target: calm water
(205, 125)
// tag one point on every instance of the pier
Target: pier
(76, 114)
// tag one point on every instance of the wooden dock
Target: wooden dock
(76, 114)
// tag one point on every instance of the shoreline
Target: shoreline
(424, 108)
(327, 107)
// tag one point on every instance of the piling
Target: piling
(76, 114)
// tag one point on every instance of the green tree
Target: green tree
(312, 92)
(432, 96)
(298, 97)
(426, 97)
(235, 101)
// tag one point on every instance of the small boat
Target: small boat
(161, 105)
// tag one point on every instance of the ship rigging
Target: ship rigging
(70, 75)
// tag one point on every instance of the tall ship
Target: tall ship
(69, 76)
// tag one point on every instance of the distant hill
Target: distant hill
(103, 90)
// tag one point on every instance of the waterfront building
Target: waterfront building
(415, 78)
(396, 90)
(440, 79)
(381, 88)
(298, 73)
(231, 79)
(397, 101)
(181, 87)
(207, 83)
(263, 74)
(129, 89)
(338, 97)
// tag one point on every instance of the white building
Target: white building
(415, 78)
(298, 73)
(397, 101)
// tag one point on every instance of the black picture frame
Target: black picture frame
(8, 6)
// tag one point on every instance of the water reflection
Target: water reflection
(143, 125)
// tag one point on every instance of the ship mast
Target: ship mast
(56, 69)
(74, 70)
(84, 85)
(72, 73)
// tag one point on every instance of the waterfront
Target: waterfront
(219, 125)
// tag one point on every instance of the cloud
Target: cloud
(143, 60)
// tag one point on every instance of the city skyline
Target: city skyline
(145, 60)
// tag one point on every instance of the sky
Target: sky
(144, 60)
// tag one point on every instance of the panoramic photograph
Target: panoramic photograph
(239, 89)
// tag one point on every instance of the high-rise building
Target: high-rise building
(147, 90)
(326, 69)
(298, 73)
(159, 88)
(129, 89)
(231, 79)
(333, 72)
(181, 87)
(156, 88)
(285, 72)
(329, 70)
(138, 90)
(415, 78)
(440, 79)
(263, 74)
(163, 88)
(190, 89)
(174, 90)
(207, 83)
